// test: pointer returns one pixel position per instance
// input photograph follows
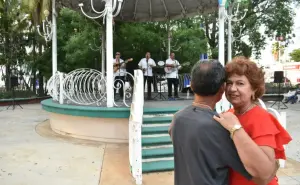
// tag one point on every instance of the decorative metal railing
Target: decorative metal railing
(88, 87)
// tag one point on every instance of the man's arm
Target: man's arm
(170, 129)
(168, 63)
(153, 64)
(227, 151)
(123, 64)
(178, 65)
(140, 64)
(263, 164)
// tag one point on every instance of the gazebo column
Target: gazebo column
(222, 31)
(54, 39)
(111, 6)
(109, 55)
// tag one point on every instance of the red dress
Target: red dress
(265, 130)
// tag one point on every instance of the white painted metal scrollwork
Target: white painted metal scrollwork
(85, 87)
(123, 80)
(88, 87)
(116, 7)
(53, 86)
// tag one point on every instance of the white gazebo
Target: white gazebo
(135, 11)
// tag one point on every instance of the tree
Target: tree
(276, 16)
(13, 37)
(295, 55)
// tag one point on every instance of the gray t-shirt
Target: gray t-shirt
(203, 149)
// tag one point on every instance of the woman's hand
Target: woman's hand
(228, 120)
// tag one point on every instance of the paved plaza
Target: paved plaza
(31, 154)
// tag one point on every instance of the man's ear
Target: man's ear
(191, 86)
(222, 89)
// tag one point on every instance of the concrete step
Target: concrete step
(157, 120)
(156, 141)
(155, 130)
(157, 152)
(158, 166)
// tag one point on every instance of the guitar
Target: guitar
(174, 68)
(117, 65)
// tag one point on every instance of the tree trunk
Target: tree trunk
(41, 84)
(6, 50)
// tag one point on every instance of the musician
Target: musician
(119, 73)
(172, 67)
(146, 64)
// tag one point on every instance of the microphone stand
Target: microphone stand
(147, 75)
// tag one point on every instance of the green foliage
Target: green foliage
(135, 39)
(75, 34)
(295, 55)
(276, 16)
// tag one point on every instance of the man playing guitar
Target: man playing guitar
(119, 73)
(171, 68)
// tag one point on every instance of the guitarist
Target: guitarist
(146, 64)
(171, 68)
(119, 73)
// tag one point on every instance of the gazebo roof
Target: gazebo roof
(150, 10)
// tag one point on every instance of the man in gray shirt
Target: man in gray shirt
(203, 150)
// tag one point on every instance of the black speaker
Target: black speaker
(278, 77)
(14, 81)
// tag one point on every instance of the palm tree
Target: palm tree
(276, 48)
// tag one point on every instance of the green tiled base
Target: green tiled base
(158, 166)
(157, 152)
(155, 141)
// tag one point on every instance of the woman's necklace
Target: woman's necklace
(248, 108)
(202, 105)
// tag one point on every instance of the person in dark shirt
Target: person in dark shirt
(203, 149)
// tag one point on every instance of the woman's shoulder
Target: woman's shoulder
(259, 111)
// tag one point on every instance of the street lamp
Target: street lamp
(170, 47)
(49, 32)
(232, 16)
(111, 6)
(94, 47)
(46, 27)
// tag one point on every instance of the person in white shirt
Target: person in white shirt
(146, 64)
(119, 73)
(172, 67)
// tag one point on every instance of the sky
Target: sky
(267, 58)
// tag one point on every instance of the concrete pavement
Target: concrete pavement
(31, 154)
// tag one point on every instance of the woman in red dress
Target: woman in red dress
(251, 126)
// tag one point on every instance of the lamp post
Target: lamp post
(111, 6)
(170, 46)
(100, 48)
(232, 17)
(50, 33)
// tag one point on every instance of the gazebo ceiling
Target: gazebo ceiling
(150, 10)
